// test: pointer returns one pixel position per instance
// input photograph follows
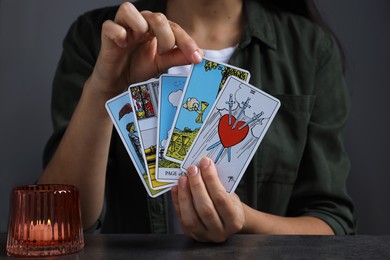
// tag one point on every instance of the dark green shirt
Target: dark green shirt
(301, 166)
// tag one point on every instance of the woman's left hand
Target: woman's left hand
(207, 213)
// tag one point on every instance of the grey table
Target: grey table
(237, 247)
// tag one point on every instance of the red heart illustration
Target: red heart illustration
(228, 136)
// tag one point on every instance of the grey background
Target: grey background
(31, 34)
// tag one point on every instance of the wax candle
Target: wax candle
(40, 231)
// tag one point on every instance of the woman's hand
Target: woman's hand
(206, 211)
(139, 45)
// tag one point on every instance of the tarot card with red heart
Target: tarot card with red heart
(233, 130)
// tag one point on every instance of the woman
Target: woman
(296, 181)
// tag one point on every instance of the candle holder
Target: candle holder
(45, 220)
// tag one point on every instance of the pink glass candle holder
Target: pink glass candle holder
(45, 220)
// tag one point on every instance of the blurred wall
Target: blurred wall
(31, 34)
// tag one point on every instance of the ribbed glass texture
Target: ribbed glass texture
(45, 220)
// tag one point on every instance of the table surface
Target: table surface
(237, 247)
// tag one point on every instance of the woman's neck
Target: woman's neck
(214, 24)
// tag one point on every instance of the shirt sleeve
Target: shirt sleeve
(320, 188)
(80, 50)
(81, 46)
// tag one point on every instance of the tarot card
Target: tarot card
(143, 98)
(122, 116)
(171, 90)
(205, 81)
(233, 130)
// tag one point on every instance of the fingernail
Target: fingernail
(183, 182)
(204, 163)
(192, 170)
(197, 57)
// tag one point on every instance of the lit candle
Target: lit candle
(41, 231)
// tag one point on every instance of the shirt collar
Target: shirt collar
(259, 24)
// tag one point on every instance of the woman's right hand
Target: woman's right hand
(139, 45)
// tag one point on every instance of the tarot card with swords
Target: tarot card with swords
(233, 130)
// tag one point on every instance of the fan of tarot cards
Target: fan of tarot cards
(171, 122)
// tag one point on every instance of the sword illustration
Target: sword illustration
(244, 106)
(255, 118)
(230, 103)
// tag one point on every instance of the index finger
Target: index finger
(130, 18)
(186, 43)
